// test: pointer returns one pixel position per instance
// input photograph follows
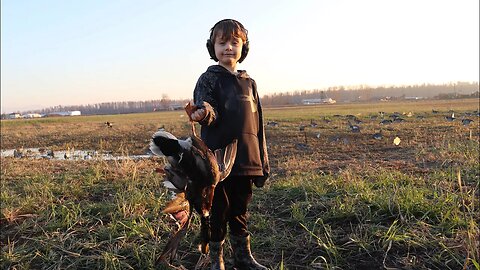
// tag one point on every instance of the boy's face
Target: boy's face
(228, 51)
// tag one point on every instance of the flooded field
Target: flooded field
(74, 154)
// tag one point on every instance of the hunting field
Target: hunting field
(391, 185)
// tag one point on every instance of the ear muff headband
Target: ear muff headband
(211, 46)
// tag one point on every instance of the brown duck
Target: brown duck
(192, 172)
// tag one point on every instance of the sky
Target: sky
(57, 52)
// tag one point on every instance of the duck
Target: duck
(357, 121)
(272, 124)
(18, 153)
(377, 135)
(398, 120)
(385, 122)
(450, 118)
(466, 121)
(192, 172)
(50, 153)
(354, 128)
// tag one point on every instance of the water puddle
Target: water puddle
(39, 153)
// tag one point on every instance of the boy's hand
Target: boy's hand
(260, 181)
(195, 113)
(198, 115)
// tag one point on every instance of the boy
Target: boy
(227, 106)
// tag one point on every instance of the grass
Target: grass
(345, 201)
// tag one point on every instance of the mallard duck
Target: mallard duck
(192, 172)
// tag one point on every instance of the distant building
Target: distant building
(319, 101)
(414, 98)
(322, 100)
(174, 107)
(32, 115)
(386, 98)
(67, 113)
(14, 116)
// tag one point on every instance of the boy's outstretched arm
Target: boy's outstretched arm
(205, 105)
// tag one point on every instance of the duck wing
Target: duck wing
(226, 158)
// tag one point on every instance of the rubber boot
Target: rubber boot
(242, 254)
(216, 255)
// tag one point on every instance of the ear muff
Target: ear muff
(211, 46)
(245, 49)
(211, 50)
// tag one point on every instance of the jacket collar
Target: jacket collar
(219, 69)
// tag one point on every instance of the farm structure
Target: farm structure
(32, 115)
(14, 116)
(323, 99)
(66, 113)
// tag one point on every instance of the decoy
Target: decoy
(272, 124)
(385, 122)
(192, 172)
(377, 136)
(357, 121)
(394, 115)
(301, 146)
(353, 128)
(466, 121)
(18, 153)
(450, 118)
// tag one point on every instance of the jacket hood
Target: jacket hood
(219, 69)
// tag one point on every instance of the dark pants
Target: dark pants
(230, 201)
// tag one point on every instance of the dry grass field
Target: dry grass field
(338, 198)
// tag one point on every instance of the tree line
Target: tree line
(365, 93)
(121, 107)
(338, 93)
